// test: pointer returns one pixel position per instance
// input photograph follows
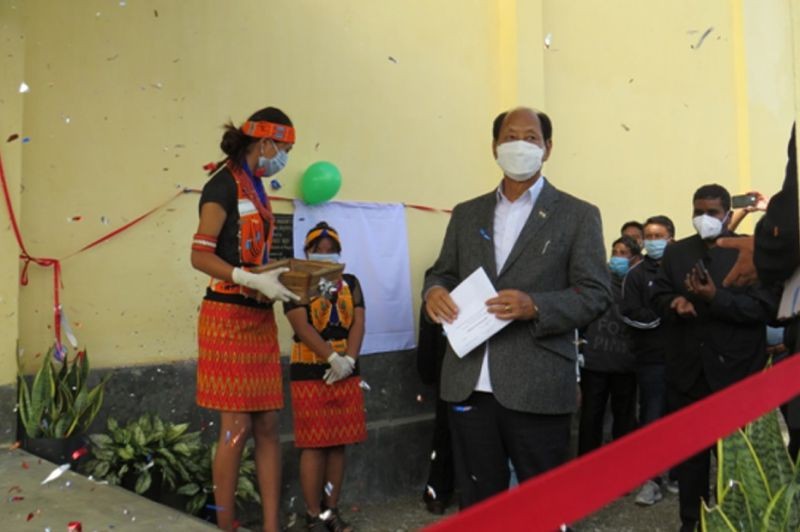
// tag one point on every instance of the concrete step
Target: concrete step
(29, 505)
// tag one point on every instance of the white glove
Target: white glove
(267, 283)
(341, 368)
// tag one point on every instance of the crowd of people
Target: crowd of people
(661, 324)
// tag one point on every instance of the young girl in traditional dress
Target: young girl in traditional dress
(327, 400)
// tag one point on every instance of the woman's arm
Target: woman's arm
(212, 218)
(298, 318)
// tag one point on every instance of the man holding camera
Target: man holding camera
(715, 335)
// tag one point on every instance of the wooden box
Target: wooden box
(304, 276)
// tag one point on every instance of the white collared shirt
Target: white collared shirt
(509, 219)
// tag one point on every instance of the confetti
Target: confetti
(155, 13)
(25, 465)
(74, 526)
(14, 445)
(16, 498)
(328, 489)
(462, 408)
(275, 184)
(227, 436)
(393, 60)
(325, 515)
(26, 140)
(30, 516)
(433, 455)
(122, 3)
(215, 508)
(57, 472)
(210, 167)
(364, 385)
(75, 218)
(12, 137)
(430, 491)
(236, 438)
(83, 451)
(104, 220)
(419, 398)
(67, 120)
(625, 127)
(23, 88)
(548, 40)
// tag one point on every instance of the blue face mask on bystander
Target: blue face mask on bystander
(619, 266)
(655, 248)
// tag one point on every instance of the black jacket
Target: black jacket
(607, 343)
(647, 335)
(727, 339)
(430, 349)
(777, 247)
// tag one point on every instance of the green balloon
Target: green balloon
(320, 182)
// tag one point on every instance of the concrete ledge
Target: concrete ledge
(72, 497)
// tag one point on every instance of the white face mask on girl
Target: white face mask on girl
(707, 226)
(324, 257)
(519, 159)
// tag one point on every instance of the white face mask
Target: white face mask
(707, 226)
(519, 159)
(324, 257)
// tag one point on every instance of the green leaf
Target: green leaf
(101, 470)
(143, 482)
(738, 462)
(138, 436)
(188, 489)
(112, 425)
(182, 448)
(126, 453)
(765, 435)
(776, 514)
(101, 440)
(197, 503)
(174, 431)
(734, 504)
(42, 391)
(714, 520)
(60, 427)
(29, 421)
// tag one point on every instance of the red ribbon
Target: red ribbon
(48, 262)
(573, 491)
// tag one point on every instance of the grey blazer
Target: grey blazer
(559, 259)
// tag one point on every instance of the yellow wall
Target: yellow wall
(145, 96)
(11, 104)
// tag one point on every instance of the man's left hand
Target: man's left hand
(705, 290)
(513, 305)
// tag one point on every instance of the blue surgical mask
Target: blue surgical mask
(655, 248)
(324, 257)
(275, 164)
(619, 266)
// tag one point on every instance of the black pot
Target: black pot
(56, 450)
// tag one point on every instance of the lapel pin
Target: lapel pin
(484, 234)
(542, 214)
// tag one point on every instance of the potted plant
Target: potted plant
(58, 406)
(146, 455)
(201, 488)
(758, 488)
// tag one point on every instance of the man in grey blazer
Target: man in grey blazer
(512, 398)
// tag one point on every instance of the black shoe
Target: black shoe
(688, 526)
(315, 523)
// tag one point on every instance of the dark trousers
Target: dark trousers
(441, 474)
(596, 390)
(652, 381)
(486, 435)
(692, 474)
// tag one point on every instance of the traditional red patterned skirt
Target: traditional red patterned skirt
(239, 367)
(328, 415)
